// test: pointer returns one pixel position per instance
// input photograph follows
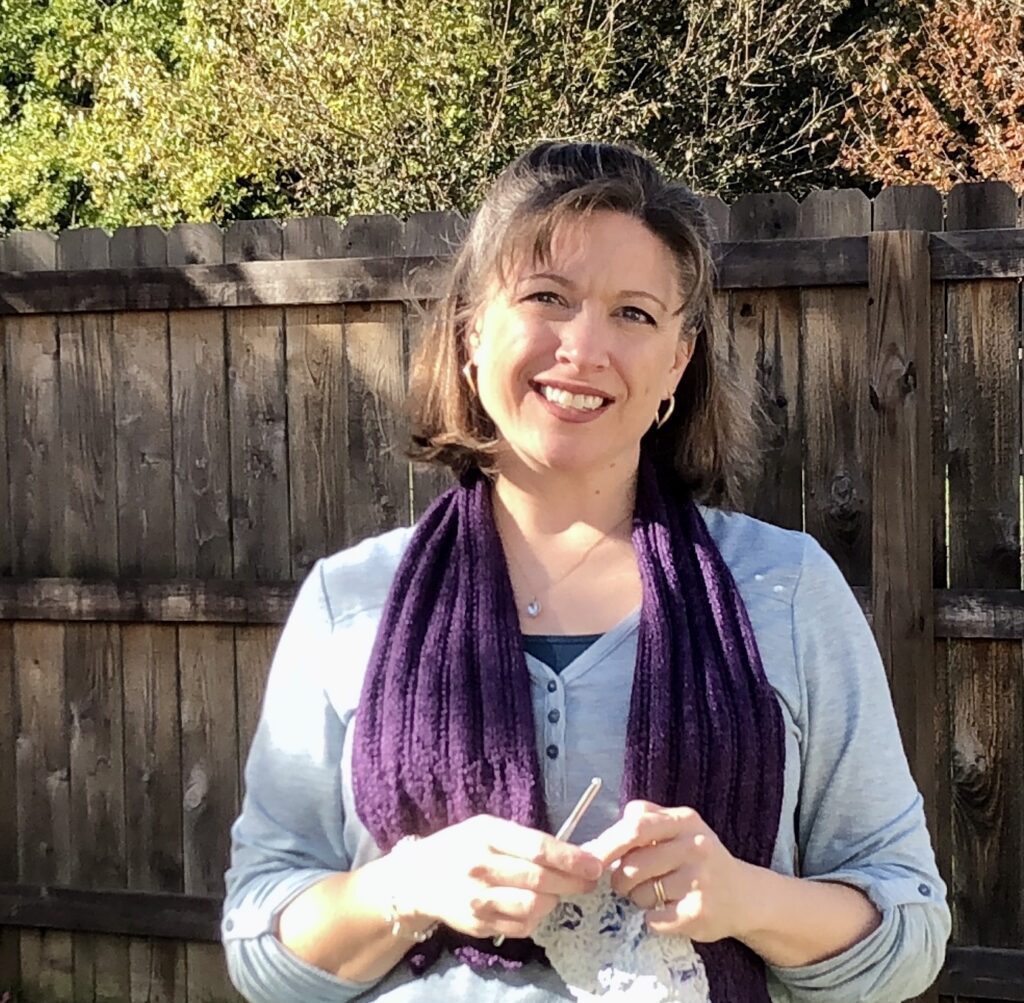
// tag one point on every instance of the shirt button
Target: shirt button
(925, 890)
(553, 716)
(229, 925)
(552, 686)
(552, 751)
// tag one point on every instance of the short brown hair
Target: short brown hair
(710, 440)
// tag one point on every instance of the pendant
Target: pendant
(533, 608)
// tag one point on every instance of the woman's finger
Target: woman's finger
(640, 828)
(540, 848)
(501, 870)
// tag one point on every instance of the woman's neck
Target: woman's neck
(538, 508)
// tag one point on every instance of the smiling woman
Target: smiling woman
(586, 602)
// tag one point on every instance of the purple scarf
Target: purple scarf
(445, 724)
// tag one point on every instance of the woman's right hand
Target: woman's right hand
(488, 876)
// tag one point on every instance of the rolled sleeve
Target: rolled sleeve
(861, 818)
(289, 835)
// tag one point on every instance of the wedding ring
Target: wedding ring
(659, 893)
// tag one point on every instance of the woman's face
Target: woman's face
(574, 356)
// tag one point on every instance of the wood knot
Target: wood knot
(196, 789)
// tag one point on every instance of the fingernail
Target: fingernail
(593, 869)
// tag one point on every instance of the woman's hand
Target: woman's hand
(487, 876)
(705, 886)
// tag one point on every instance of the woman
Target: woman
(582, 604)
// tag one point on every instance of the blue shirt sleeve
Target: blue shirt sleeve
(860, 819)
(289, 834)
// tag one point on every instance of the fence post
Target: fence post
(900, 364)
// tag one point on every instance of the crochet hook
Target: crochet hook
(569, 825)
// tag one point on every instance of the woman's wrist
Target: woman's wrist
(410, 917)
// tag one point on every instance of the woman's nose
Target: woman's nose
(583, 340)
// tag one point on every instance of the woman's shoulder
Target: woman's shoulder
(357, 579)
(761, 556)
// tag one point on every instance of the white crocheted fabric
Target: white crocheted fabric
(601, 947)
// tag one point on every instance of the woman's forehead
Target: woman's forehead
(601, 244)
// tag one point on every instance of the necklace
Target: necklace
(533, 607)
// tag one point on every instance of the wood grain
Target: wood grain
(92, 652)
(317, 394)
(837, 406)
(986, 678)
(899, 338)
(199, 417)
(375, 368)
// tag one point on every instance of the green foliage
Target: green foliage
(117, 113)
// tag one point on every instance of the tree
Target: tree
(941, 99)
(166, 110)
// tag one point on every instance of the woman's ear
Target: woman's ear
(684, 352)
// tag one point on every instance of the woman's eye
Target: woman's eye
(635, 313)
(546, 296)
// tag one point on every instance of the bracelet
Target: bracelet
(394, 915)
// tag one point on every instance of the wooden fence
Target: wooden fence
(189, 419)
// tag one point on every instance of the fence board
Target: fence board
(766, 340)
(209, 745)
(92, 654)
(258, 417)
(199, 416)
(986, 678)
(427, 233)
(379, 496)
(919, 207)
(145, 477)
(44, 833)
(206, 655)
(317, 407)
(28, 386)
(33, 380)
(836, 408)
(10, 954)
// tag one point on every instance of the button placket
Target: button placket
(554, 741)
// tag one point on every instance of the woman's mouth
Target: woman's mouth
(569, 405)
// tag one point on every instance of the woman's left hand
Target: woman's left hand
(706, 887)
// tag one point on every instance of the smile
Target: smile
(568, 404)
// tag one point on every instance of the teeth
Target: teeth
(581, 402)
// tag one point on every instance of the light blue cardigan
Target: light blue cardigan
(850, 813)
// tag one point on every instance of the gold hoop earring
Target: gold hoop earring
(467, 371)
(662, 418)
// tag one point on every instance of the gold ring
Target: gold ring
(659, 893)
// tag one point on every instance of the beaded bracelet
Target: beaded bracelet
(395, 917)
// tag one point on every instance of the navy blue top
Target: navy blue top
(557, 651)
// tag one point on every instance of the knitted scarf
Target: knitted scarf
(445, 724)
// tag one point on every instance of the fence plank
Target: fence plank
(33, 381)
(986, 678)
(146, 547)
(427, 233)
(899, 337)
(206, 655)
(10, 953)
(199, 416)
(258, 416)
(379, 497)
(30, 507)
(44, 832)
(836, 406)
(317, 408)
(209, 743)
(919, 207)
(765, 337)
(92, 652)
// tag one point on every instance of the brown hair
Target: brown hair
(710, 440)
